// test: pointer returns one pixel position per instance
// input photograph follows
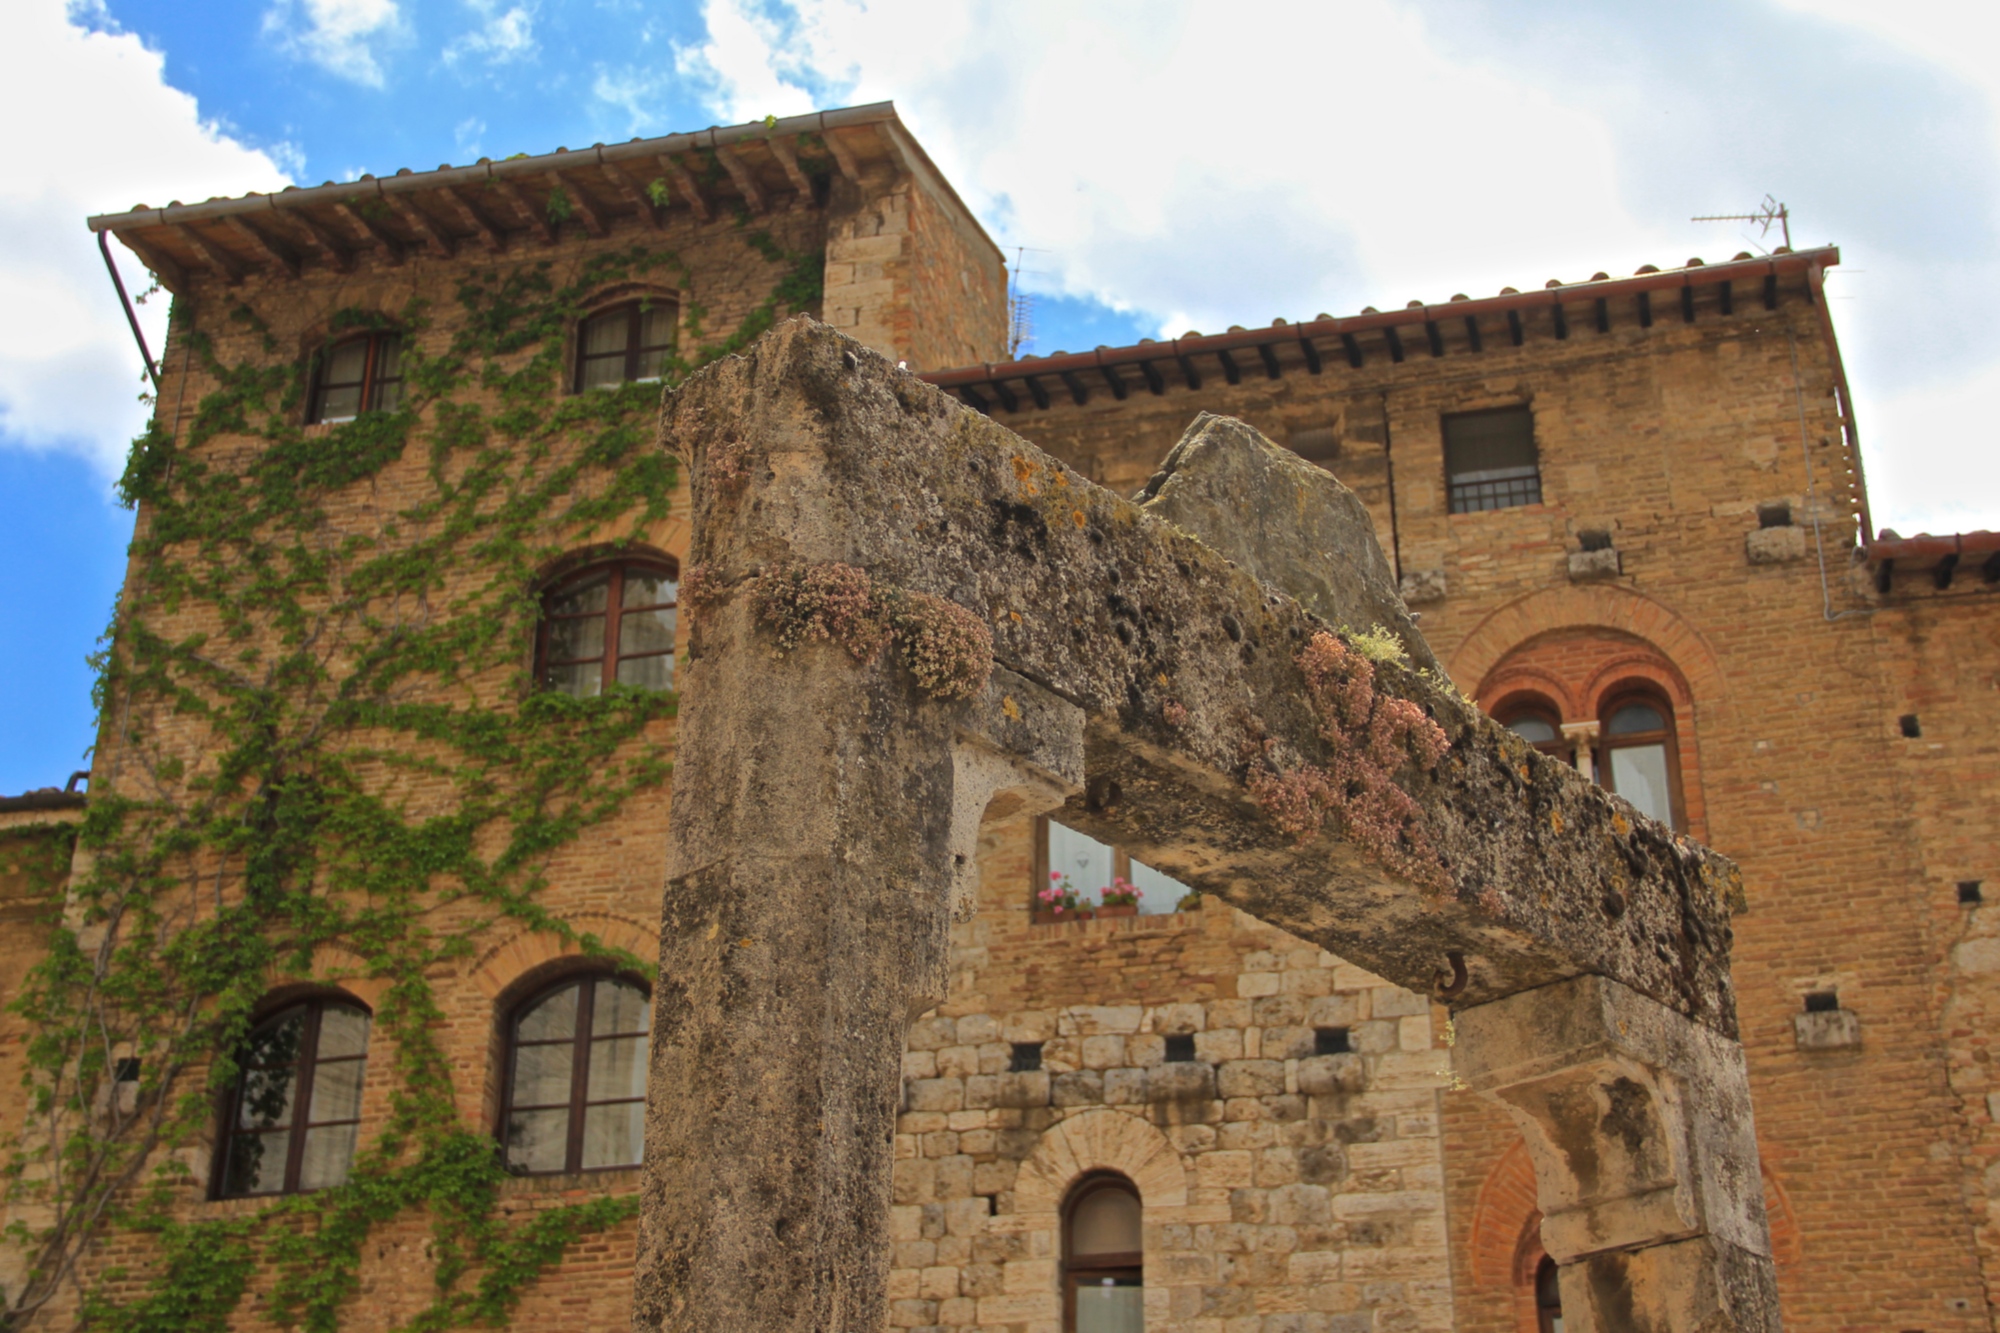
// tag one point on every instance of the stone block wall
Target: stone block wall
(1282, 1191)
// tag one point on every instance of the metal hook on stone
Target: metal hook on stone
(1450, 988)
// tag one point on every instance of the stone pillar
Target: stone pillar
(825, 815)
(1638, 1122)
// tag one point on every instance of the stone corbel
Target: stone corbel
(1638, 1122)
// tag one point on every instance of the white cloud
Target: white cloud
(502, 37)
(1213, 164)
(69, 372)
(340, 36)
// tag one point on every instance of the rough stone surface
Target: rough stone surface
(1289, 523)
(822, 798)
(1775, 546)
(1137, 622)
(1599, 564)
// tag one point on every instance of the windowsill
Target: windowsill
(611, 1180)
(1538, 507)
(1111, 924)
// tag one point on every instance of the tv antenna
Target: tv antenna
(1020, 306)
(1769, 212)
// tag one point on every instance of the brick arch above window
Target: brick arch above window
(1591, 606)
(1586, 670)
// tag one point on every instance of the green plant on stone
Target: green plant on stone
(321, 740)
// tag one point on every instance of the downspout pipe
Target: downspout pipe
(131, 316)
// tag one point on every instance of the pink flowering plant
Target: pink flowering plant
(1060, 895)
(1122, 892)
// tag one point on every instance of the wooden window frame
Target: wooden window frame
(1121, 862)
(1100, 1266)
(581, 1039)
(370, 383)
(1534, 706)
(634, 312)
(614, 611)
(1667, 738)
(306, 1066)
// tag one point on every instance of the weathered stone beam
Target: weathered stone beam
(809, 449)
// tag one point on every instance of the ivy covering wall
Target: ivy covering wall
(320, 739)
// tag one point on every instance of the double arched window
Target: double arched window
(1630, 747)
(296, 1107)
(1103, 1273)
(575, 1092)
(625, 343)
(362, 374)
(610, 623)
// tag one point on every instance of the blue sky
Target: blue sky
(1172, 165)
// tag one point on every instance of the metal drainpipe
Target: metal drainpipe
(1389, 465)
(1812, 498)
(131, 317)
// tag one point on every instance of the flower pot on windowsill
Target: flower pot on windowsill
(1043, 916)
(1119, 909)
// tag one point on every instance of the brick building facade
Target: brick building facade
(1631, 515)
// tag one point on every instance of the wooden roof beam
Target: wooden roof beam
(580, 204)
(537, 218)
(220, 259)
(633, 194)
(746, 181)
(166, 268)
(1037, 391)
(426, 226)
(284, 255)
(1472, 333)
(1189, 375)
(474, 218)
(685, 182)
(788, 158)
(843, 156)
(1078, 390)
(332, 247)
(392, 244)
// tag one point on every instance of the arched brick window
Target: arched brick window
(1536, 721)
(295, 1111)
(575, 1092)
(624, 343)
(1103, 1276)
(1641, 760)
(610, 622)
(361, 374)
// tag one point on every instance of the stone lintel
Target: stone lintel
(1184, 664)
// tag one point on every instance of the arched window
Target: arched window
(296, 1107)
(1536, 722)
(359, 375)
(625, 343)
(610, 622)
(1548, 1297)
(576, 1078)
(1641, 761)
(1103, 1286)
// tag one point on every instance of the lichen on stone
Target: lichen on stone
(1372, 734)
(946, 647)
